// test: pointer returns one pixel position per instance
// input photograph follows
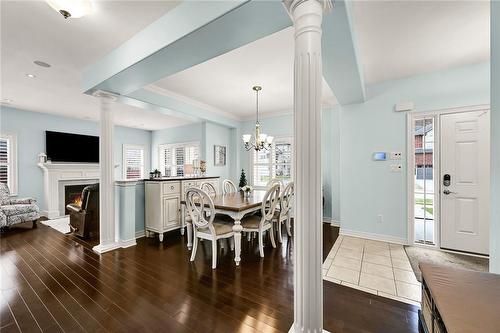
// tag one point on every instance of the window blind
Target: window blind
(4, 161)
(273, 163)
(134, 163)
(176, 160)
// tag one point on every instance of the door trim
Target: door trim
(410, 163)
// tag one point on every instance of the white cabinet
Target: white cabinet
(163, 203)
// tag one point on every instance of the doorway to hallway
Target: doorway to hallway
(448, 179)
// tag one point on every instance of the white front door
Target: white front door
(464, 181)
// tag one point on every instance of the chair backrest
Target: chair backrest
(4, 193)
(228, 187)
(275, 181)
(201, 209)
(286, 199)
(269, 202)
(208, 188)
(90, 198)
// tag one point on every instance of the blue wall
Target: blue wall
(30, 128)
(218, 135)
(369, 188)
(495, 139)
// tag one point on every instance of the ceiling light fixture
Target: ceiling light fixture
(72, 8)
(41, 63)
(260, 140)
(31, 76)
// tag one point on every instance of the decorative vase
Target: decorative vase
(247, 194)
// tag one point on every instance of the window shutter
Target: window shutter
(4, 161)
(134, 162)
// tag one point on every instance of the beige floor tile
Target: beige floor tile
(395, 246)
(353, 239)
(399, 254)
(378, 270)
(327, 263)
(327, 278)
(407, 290)
(377, 283)
(378, 251)
(350, 253)
(397, 298)
(405, 276)
(355, 286)
(377, 244)
(402, 264)
(352, 246)
(344, 274)
(376, 259)
(350, 263)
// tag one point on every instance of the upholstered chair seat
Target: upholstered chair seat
(14, 211)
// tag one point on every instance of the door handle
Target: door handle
(448, 192)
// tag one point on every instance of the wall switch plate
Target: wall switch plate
(396, 167)
(380, 218)
(395, 155)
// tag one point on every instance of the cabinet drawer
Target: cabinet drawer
(189, 183)
(171, 188)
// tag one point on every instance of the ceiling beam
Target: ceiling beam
(341, 68)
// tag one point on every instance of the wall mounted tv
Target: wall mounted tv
(68, 147)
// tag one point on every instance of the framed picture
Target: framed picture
(219, 155)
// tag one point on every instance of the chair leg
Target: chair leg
(34, 224)
(249, 236)
(231, 243)
(214, 253)
(195, 247)
(288, 226)
(271, 234)
(280, 238)
(261, 245)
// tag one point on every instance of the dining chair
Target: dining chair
(206, 225)
(260, 224)
(285, 212)
(228, 187)
(209, 188)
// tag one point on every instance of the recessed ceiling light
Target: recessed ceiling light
(41, 63)
(72, 8)
(31, 76)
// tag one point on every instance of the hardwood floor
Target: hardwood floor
(55, 283)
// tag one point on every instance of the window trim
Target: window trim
(12, 164)
(280, 139)
(125, 147)
(162, 146)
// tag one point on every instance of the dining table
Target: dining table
(235, 205)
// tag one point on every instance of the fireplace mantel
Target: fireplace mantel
(54, 174)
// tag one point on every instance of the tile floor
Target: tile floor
(375, 267)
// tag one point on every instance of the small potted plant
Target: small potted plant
(247, 190)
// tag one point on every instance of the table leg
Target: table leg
(237, 228)
(183, 219)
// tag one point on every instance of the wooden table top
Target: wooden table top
(237, 202)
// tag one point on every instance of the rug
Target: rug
(455, 260)
(60, 224)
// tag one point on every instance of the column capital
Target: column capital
(105, 95)
(292, 4)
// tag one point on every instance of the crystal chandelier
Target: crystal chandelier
(260, 140)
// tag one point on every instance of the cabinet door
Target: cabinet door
(171, 212)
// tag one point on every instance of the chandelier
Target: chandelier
(260, 140)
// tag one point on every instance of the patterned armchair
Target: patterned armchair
(14, 211)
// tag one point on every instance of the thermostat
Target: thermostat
(380, 156)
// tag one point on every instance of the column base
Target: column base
(102, 248)
(127, 243)
(292, 330)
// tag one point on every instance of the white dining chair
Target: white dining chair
(284, 214)
(260, 224)
(275, 181)
(228, 187)
(209, 188)
(206, 225)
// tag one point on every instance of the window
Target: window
(178, 159)
(133, 162)
(8, 162)
(274, 163)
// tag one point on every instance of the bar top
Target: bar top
(166, 179)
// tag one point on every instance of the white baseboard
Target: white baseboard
(372, 236)
(127, 243)
(140, 234)
(332, 222)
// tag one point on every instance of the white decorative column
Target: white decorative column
(307, 16)
(107, 227)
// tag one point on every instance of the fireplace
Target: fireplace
(73, 195)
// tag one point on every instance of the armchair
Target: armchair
(14, 211)
(84, 218)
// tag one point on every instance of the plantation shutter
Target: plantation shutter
(177, 159)
(4, 161)
(134, 163)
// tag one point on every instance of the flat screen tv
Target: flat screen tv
(68, 147)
